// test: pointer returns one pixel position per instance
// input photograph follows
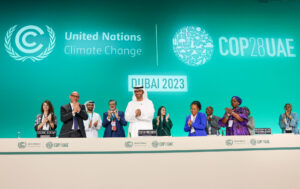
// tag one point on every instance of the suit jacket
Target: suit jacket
(199, 125)
(215, 127)
(293, 123)
(67, 119)
(119, 124)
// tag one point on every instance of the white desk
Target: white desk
(242, 162)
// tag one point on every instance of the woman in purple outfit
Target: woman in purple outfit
(235, 119)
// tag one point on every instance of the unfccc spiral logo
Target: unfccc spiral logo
(193, 45)
(30, 41)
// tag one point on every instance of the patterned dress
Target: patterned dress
(238, 128)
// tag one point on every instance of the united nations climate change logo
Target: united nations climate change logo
(30, 43)
(193, 45)
(128, 144)
(22, 145)
(229, 142)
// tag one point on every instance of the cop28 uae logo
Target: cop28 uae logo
(193, 45)
(29, 43)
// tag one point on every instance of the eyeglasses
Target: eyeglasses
(75, 96)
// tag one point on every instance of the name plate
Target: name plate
(263, 131)
(147, 133)
(46, 132)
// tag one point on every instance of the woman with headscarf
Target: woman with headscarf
(235, 119)
(162, 123)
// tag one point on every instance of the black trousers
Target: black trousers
(72, 134)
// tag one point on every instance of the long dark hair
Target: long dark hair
(51, 109)
(159, 110)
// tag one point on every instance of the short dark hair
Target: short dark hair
(112, 101)
(197, 103)
(210, 108)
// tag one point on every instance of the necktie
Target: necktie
(113, 123)
(113, 115)
(75, 123)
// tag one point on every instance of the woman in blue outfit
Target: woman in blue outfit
(288, 121)
(196, 122)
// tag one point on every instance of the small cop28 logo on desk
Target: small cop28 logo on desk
(155, 144)
(29, 43)
(49, 145)
(253, 141)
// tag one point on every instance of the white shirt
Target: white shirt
(209, 126)
(73, 116)
(193, 118)
(144, 121)
(92, 132)
(46, 126)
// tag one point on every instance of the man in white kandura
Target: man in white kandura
(139, 112)
(93, 124)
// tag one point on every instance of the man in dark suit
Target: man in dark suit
(212, 126)
(113, 121)
(72, 116)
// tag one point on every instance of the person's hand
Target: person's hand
(284, 116)
(108, 114)
(45, 120)
(287, 114)
(117, 114)
(209, 118)
(228, 111)
(96, 123)
(90, 125)
(157, 120)
(190, 123)
(76, 108)
(49, 118)
(138, 113)
(167, 117)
